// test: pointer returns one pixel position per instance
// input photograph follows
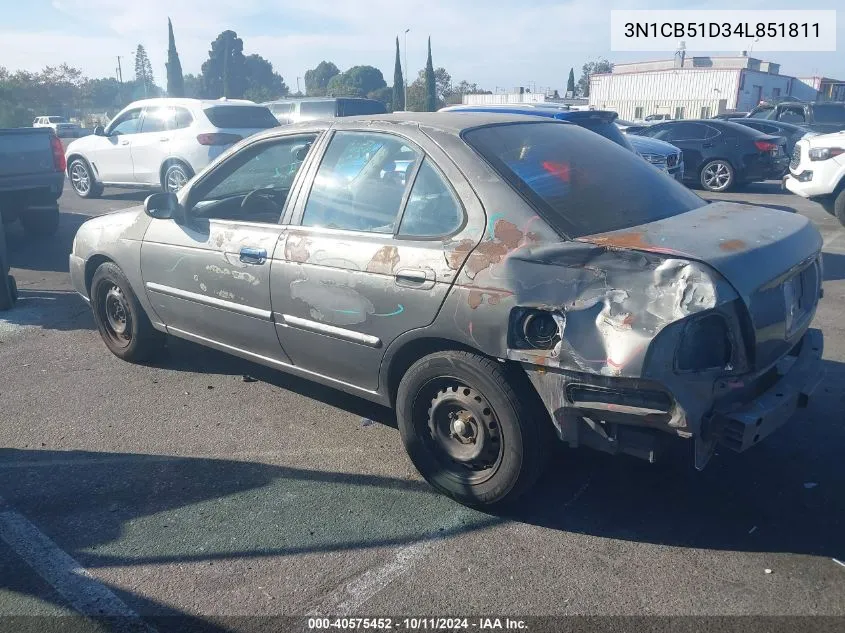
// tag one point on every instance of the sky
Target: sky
(495, 43)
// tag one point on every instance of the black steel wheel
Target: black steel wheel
(472, 427)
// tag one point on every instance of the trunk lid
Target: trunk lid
(771, 258)
(25, 151)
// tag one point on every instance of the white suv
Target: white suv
(160, 143)
(817, 171)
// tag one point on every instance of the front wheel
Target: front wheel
(717, 176)
(466, 429)
(124, 326)
(835, 205)
(82, 179)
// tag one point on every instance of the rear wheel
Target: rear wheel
(717, 175)
(40, 222)
(124, 326)
(82, 179)
(467, 430)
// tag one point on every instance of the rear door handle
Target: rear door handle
(253, 255)
(707, 145)
(415, 277)
(124, 142)
(164, 139)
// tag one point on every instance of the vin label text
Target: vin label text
(721, 30)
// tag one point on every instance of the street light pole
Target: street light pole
(405, 75)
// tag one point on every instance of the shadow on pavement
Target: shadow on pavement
(49, 310)
(834, 266)
(131, 195)
(44, 253)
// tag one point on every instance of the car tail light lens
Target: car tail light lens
(705, 344)
(59, 161)
(766, 146)
(217, 138)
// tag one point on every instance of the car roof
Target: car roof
(181, 101)
(737, 127)
(538, 110)
(783, 124)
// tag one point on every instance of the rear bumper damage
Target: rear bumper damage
(636, 416)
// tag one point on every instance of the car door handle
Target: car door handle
(253, 255)
(707, 145)
(124, 142)
(164, 139)
(414, 277)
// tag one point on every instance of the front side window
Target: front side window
(360, 183)
(562, 170)
(127, 123)
(253, 184)
(829, 113)
(432, 209)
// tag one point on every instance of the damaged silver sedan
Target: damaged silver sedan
(499, 280)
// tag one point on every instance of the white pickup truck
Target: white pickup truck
(817, 171)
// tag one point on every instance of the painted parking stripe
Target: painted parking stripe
(84, 592)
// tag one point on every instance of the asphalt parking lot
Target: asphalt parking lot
(183, 489)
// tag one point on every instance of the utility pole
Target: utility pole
(297, 85)
(405, 75)
(119, 71)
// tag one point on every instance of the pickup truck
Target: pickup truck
(817, 172)
(32, 176)
(823, 117)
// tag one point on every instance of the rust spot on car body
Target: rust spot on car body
(297, 248)
(631, 240)
(733, 245)
(384, 261)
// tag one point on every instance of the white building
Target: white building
(699, 87)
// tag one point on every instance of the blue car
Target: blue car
(661, 154)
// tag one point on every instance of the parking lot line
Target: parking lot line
(85, 593)
(348, 598)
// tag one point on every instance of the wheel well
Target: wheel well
(414, 350)
(91, 266)
(73, 157)
(168, 163)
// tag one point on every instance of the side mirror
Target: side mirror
(164, 206)
(99, 131)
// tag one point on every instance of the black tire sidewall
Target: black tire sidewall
(518, 434)
(839, 206)
(731, 182)
(110, 273)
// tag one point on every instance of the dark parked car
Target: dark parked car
(792, 133)
(520, 279)
(726, 116)
(823, 117)
(720, 154)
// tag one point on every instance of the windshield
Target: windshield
(829, 113)
(239, 117)
(579, 183)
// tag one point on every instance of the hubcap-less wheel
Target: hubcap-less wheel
(79, 178)
(716, 176)
(463, 432)
(175, 179)
(118, 317)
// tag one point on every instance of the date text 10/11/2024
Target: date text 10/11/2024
(417, 624)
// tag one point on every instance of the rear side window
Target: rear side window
(230, 116)
(181, 118)
(829, 113)
(432, 209)
(353, 107)
(579, 184)
(318, 109)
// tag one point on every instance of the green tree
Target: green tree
(385, 95)
(591, 68)
(418, 91)
(317, 79)
(430, 83)
(398, 102)
(143, 67)
(193, 86)
(224, 72)
(262, 82)
(570, 83)
(358, 81)
(175, 81)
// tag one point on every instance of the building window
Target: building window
(741, 81)
(705, 112)
(638, 112)
(679, 113)
(775, 93)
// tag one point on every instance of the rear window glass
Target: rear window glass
(317, 109)
(230, 116)
(829, 113)
(352, 107)
(608, 130)
(579, 183)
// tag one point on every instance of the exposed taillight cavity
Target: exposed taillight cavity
(218, 138)
(766, 146)
(705, 344)
(59, 162)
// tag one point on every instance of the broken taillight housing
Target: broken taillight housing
(705, 344)
(533, 329)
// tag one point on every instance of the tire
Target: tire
(837, 206)
(124, 326)
(717, 176)
(8, 287)
(176, 175)
(82, 179)
(40, 222)
(452, 388)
